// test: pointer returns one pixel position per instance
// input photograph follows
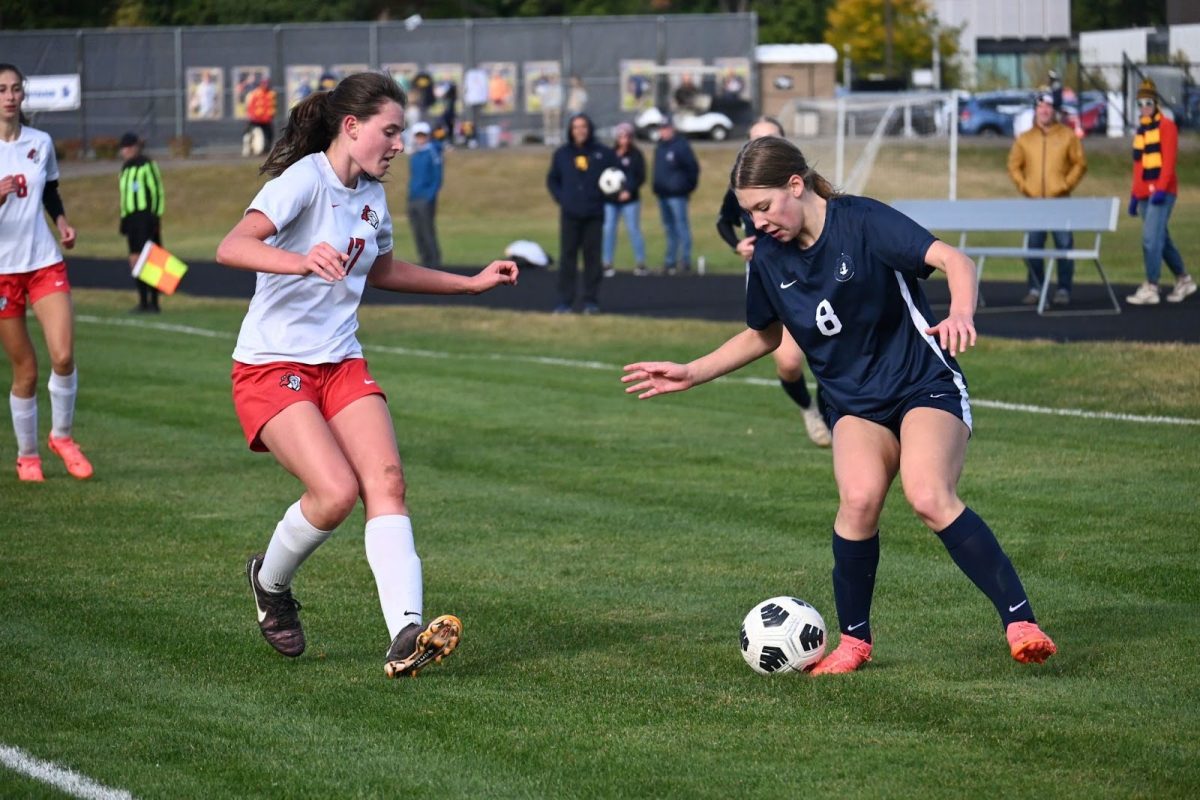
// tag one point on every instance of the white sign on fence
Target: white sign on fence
(51, 93)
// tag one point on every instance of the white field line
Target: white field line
(61, 778)
(1023, 408)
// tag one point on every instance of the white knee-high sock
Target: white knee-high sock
(397, 567)
(294, 540)
(63, 389)
(24, 418)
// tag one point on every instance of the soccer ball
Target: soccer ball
(612, 180)
(782, 634)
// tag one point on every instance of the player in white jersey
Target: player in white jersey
(32, 272)
(317, 234)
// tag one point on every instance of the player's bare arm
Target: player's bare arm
(957, 331)
(651, 378)
(244, 248)
(395, 275)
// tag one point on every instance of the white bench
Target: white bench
(1076, 214)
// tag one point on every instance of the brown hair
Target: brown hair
(769, 162)
(314, 122)
(5, 67)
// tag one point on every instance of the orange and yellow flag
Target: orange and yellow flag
(159, 268)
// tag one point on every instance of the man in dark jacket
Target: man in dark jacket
(574, 181)
(676, 175)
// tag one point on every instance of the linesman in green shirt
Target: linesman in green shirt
(141, 210)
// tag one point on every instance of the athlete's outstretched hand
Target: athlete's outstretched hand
(650, 378)
(497, 273)
(66, 234)
(325, 261)
(955, 333)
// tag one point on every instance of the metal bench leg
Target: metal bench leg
(1111, 295)
(979, 282)
(1044, 299)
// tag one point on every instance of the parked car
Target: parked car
(991, 113)
(711, 124)
(1091, 110)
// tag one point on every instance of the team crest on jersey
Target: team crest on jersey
(290, 381)
(845, 268)
(370, 217)
(32, 156)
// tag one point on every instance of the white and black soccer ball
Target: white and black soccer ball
(612, 180)
(782, 634)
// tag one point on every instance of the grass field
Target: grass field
(494, 197)
(601, 552)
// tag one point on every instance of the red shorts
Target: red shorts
(260, 391)
(36, 284)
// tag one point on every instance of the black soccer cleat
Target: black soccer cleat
(278, 616)
(414, 647)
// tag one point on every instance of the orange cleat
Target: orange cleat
(29, 468)
(72, 456)
(1028, 643)
(850, 654)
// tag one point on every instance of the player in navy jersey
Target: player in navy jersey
(840, 273)
(317, 235)
(789, 360)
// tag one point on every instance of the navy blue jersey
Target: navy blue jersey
(853, 304)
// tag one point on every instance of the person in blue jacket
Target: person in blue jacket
(676, 175)
(424, 183)
(574, 181)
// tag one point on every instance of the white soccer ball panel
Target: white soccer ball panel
(782, 634)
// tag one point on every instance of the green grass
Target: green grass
(601, 552)
(494, 197)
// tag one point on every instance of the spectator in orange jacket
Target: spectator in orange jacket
(1047, 161)
(260, 111)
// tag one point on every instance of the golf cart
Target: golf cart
(709, 124)
(691, 107)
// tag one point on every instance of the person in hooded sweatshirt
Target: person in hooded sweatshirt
(574, 182)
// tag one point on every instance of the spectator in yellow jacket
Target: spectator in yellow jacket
(1047, 161)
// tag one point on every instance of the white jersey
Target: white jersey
(26, 241)
(305, 318)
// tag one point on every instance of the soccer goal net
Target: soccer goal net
(886, 146)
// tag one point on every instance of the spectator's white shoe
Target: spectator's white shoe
(1031, 297)
(1184, 288)
(1062, 298)
(1146, 295)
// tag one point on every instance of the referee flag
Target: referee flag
(159, 268)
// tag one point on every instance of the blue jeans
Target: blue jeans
(1157, 246)
(631, 214)
(674, 212)
(1064, 267)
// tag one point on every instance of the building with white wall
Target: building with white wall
(998, 36)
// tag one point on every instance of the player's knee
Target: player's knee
(62, 363)
(789, 368)
(385, 485)
(934, 504)
(333, 500)
(860, 505)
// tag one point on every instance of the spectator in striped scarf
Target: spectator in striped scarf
(1155, 186)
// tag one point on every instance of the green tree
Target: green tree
(890, 37)
(1102, 15)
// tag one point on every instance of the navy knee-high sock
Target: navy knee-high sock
(798, 391)
(975, 550)
(854, 565)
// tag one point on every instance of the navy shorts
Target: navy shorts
(939, 394)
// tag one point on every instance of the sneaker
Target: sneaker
(609, 272)
(1062, 297)
(669, 270)
(818, 431)
(278, 616)
(1031, 298)
(1184, 287)
(591, 308)
(29, 468)
(641, 271)
(850, 654)
(414, 646)
(66, 449)
(1146, 295)
(562, 308)
(1028, 644)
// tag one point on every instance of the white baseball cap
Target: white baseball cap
(421, 128)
